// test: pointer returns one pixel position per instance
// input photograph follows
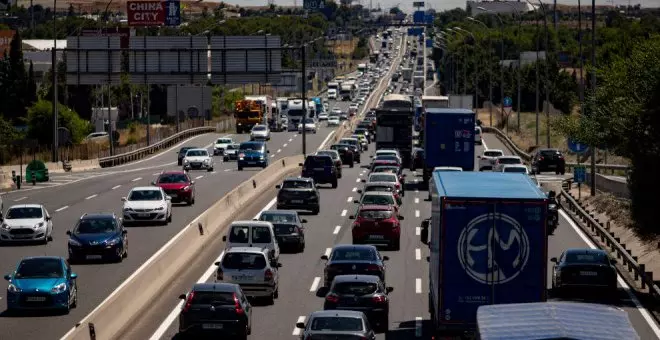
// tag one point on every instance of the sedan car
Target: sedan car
(488, 158)
(260, 132)
(345, 153)
(182, 153)
(147, 204)
(26, 223)
(298, 193)
(97, 237)
(353, 259)
(336, 324)
(42, 282)
(220, 145)
(177, 185)
(587, 270)
(377, 224)
(364, 293)
(310, 126)
(548, 160)
(198, 159)
(221, 309)
(333, 120)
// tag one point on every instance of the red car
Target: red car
(177, 185)
(377, 224)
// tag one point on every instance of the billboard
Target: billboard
(6, 37)
(246, 59)
(168, 60)
(418, 3)
(153, 13)
(122, 32)
(100, 64)
(418, 17)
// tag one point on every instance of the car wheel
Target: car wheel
(334, 184)
(240, 168)
(315, 211)
(119, 255)
(351, 164)
(74, 304)
(210, 170)
(301, 248)
(276, 294)
(270, 300)
(169, 218)
(384, 324)
(225, 159)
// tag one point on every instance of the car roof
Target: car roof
(198, 149)
(279, 212)
(514, 166)
(215, 287)
(146, 188)
(586, 251)
(173, 172)
(493, 150)
(329, 151)
(188, 147)
(32, 205)
(354, 246)
(381, 174)
(376, 207)
(317, 155)
(510, 156)
(357, 278)
(298, 179)
(550, 149)
(379, 193)
(337, 313)
(496, 185)
(252, 223)
(41, 258)
(250, 250)
(100, 215)
(378, 184)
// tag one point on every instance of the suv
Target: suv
(177, 185)
(377, 224)
(298, 193)
(548, 160)
(488, 158)
(345, 153)
(252, 154)
(216, 308)
(321, 168)
(334, 154)
(252, 269)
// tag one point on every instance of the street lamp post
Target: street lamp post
(490, 70)
(593, 90)
(546, 106)
(501, 61)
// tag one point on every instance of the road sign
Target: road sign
(507, 102)
(173, 13)
(169, 60)
(314, 4)
(577, 147)
(429, 18)
(418, 4)
(418, 17)
(262, 64)
(580, 174)
(429, 43)
(93, 60)
(145, 13)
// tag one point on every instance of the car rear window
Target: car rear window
(382, 178)
(377, 188)
(550, 153)
(515, 169)
(327, 153)
(377, 200)
(493, 153)
(261, 235)
(296, 185)
(354, 254)
(336, 323)
(355, 288)
(213, 298)
(251, 146)
(387, 170)
(244, 261)
(508, 160)
(375, 214)
(313, 161)
(387, 158)
(586, 258)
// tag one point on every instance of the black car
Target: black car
(98, 237)
(298, 193)
(289, 229)
(548, 160)
(363, 293)
(336, 158)
(219, 309)
(182, 153)
(355, 149)
(321, 168)
(417, 159)
(588, 270)
(345, 153)
(353, 259)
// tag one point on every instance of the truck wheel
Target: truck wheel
(334, 184)
(351, 164)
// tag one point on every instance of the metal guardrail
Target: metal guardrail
(134, 155)
(599, 230)
(600, 168)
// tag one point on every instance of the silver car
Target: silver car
(26, 222)
(260, 132)
(336, 324)
(250, 268)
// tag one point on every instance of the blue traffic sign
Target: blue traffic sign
(579, 174)
(508, 102)
(172, 13)
(577, 147)
(418, 17)
(429, 43)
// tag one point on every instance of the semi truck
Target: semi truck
(247, 114)
(347, 90)
(488, 245)
(394, 125)
(295, 114)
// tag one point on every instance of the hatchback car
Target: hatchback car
(382, 187)
(220, 309)
(548, 160)
(387, 177)
(488, 158)
(378, 198)
(321, 168)
(334, 154)
(147, 204)
(198, 159)
(97, 237)
(505, 160)
(298, 193)
(516, 168)
(333, 120)
(377, 224)
(26, 223)
(364, 293)
(310, 126)
(353, 259)
(336, 324)
(177, 185)
(220, 145)
(252, 154)
(586, 270)
(252, 269)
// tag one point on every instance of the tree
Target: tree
(31, 86)
(14, 82)
(40, 122)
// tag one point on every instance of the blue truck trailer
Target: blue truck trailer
(318, 104)
(488, 245)
(448, 139)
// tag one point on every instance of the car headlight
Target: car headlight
(5, 226)
(128, 209)
(186, 188)
(552, 206)
(12, 288)
(261, 157)
(207, 161)
(59, 288)
(39, 225)
(74, 243)
(185, 160)
(112, 242)
(160, 208)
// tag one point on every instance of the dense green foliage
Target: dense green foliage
(40, 122)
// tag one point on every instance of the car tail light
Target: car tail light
(189, 301)
(332, 298)
(398, 186)
(268, 275)
(219, 275)
(379, 299)
(241, 155)
(237, 305)
(373, 267)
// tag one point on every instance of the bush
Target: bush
(40, 123)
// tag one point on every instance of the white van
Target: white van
(260, 234)
(332, 94)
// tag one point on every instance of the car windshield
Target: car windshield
(285, 229)
(327, 153)
(296, 185)
(309, 121)
(386, 169)
(145, 195)
(387, 158)
(349, 141)
(336, 323)
(213, 298)
(196, 153)
(353, 254)
(223, 141)
(338, 147)
(385, 153)
(333, 117)
(596, 258)
(96, 226)
(375, 214)
(382, 177)
(20, 213)
(355, 288)
(508, 160)
(493, 153)
(39, 268)
(259, 128)
(172, 178)
(313, 161)
(277, 217)
(517, 169)
(244, 261)
(250, 146)
(360, 131)
(377, 199)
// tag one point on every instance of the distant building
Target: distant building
(504, 7)
(39, 52)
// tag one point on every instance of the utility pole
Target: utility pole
(593, 90)
(54, 83)
(303, 50)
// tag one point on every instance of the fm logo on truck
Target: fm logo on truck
(493, 248)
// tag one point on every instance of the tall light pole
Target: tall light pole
(593, 90)
(54, 84)
(538, 59)
(476, 73)
(501, 61)
(546, 106)
(463, 65)
(490, 69)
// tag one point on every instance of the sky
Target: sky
(406, 6)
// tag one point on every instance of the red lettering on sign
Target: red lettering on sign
(145, 13)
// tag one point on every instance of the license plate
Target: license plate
(297, 201)
(143, 215)
(318, 169)
(251, 163)
(241, 278)
(93, 257)
(212, 326)
(552, 166)
(35, 299)
(586, 273)
(376, 237)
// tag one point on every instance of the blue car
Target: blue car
(252, 155)
(42, 282)
(98, 237)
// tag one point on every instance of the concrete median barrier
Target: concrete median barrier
(126, 304)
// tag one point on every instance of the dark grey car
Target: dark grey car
(298, 193)
(336, 325)
(289, 229)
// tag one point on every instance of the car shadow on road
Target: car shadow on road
(30, 314)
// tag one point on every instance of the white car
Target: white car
(323, 116)
(332, 94)
(477, 135)
(388, 152)
(310, 126)
(353, 109)
(506, 160)
(221, 145)
(333, 120)
(361, 100)
(488, 158)
(198, 159)
(337, 111)
(26, 222)
(516, 168)
(147, 204)
(260, 132)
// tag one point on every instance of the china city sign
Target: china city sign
(153, 13)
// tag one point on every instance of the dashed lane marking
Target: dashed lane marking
(296, 330)
(278, 151)
(285, 144)
(62, 208)
(90, 197)
(418, 286)
(327, 251)
(418, 254)
(416, 213)
(315, 284)
(136, 179)
(418, 231)
(349, 200)
(343, 212)
(19, 199)
(198, 177)
(337, 229)
(116, 186)
(354, 190)
(416, 199)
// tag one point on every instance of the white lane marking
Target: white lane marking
(271, 156)
(483, 143)
(278, 151)
(290, 140)
(418, 326)
(156, 174)
(90, 197)
(136, 179)
(116, 186)
(325, 140)
(212, 172)
(174, 314)
(354, 190)
(416, 190)
(349, 200)
(343, 212)
(416, 199)
(315, 284)
(296, 330)
(327, 251)
(638, 305)
(285, 144)
(295, 135)
(416, 213)
(418, 286)
(62, 208)
(418, 231)
(337, 229)
(200, 176)
(418, 254)
(19, 199)
(357, 180)
(227, 170)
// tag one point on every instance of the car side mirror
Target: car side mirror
(479, 156)
(123, 199)
(317, 186)
(359, 191)
(73, 276)
(300, 325)
(386, 258)
(153, 182)
(217, 264)
(182, 296)
(303, 221)
(324, 257)
(267, 151)
(278, 187)
(48, 218)
(192, 182)
(554, 260)
(68, 232)
(389, 289)
(401, 218)
(279, 265)
(300, 164)
(224, 239)
(351, 217)
(7, 277)
(356, 201)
